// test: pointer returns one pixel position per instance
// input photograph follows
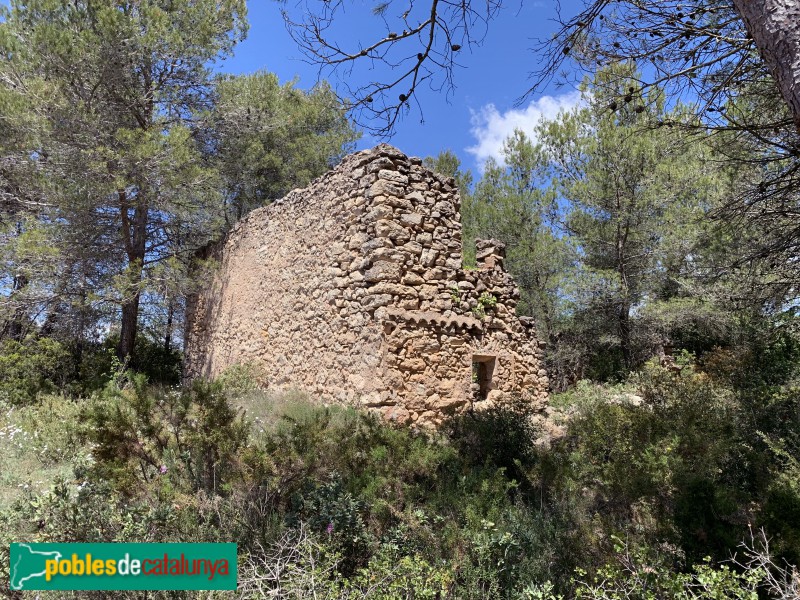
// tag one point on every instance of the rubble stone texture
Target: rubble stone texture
(353, 291)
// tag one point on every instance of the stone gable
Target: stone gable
(353, 290)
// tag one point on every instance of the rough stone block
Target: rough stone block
(395, 232)
(416, 197)
(412, 279)
(393, 201)
(413, 364)
(394, 289)
(380, 163)
(393, 176)
(386, 255)
(445, 208)
(413, 248)
(411, 219)
(384, 188)
(383, 271)
(381, 211)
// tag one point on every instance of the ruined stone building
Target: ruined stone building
(353, 290)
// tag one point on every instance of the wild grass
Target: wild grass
(38, 444)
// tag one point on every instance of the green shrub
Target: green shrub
(54, 430)
(331, 510)
(241, 379)
(300, 564)
(32, 367)
(780, 514)
(99, 363)
(353, 507)
(159, 364)
(392, 576)
(639, 573)
(500, 437)
(141, 433)
(671, 469)
(83, 510)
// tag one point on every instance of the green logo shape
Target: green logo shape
(122, 566)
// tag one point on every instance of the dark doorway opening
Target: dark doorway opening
(482, 370)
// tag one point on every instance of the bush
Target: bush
(44, 365)
(154, 361)
(141, 433)
(671, 468)
(501, 437)
(99, 363)
(241, 379)
(32, 367)
(781, 510)
(300, 564)
(640, 574)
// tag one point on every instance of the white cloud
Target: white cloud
(490, 127)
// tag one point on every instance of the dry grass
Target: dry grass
(37, 445)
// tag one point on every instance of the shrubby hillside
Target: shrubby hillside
(650, 488)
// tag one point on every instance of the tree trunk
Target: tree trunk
(80, 336)
(624, 320)
(624, 310)
(56, 310)
(168, 334)
(775, 28)
(135, 233)
(130, 321)
(14, 327)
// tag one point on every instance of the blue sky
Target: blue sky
(481, 111)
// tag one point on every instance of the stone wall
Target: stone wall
(353, 290)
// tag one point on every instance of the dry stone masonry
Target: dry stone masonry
(353, 290)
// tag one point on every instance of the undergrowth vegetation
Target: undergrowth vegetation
(649, 492)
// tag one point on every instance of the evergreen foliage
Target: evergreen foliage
(122, 155)
(610, 233)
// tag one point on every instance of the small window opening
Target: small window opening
(482, 369)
